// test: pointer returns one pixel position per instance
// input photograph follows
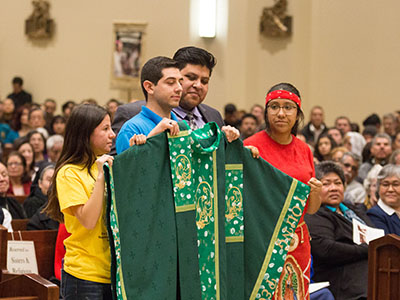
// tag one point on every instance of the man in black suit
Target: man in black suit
(19, 96)
(196, 66)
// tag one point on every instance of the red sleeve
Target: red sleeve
(60, 250)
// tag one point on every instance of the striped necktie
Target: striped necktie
(192, 122)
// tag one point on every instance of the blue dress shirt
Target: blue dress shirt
(142, 123)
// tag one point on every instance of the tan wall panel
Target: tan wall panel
(343, 55)
(354, 65)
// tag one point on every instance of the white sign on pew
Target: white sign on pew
(21, 257)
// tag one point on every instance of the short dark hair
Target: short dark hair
(355, 127)
(370, 130)
(17, 80)
(112, 100)
(230, 108)
(326, 167)
(248, 116)
(195, 56)
(33, 109)
(152, 70)
(344, 118)
(335, 128)
(372, 120)
(67, 104)
(300, 115)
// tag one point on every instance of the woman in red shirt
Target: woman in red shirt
(279, 146)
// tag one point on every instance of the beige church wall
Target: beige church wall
(342, 54)
(355, 64)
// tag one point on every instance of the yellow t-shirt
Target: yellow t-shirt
(87, 254)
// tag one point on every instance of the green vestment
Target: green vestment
(194, 217)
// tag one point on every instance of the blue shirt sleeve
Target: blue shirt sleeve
(11, 137)
(126, 133)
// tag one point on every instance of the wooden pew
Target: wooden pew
(384, 268)
(33, 284)
(19, 224)
(20, 298)
(20, 199)
(29, 285)
(44, 240)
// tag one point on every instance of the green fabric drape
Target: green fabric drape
(195, 217)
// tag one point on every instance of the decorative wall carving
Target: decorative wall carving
(274, 21)
(39, 25)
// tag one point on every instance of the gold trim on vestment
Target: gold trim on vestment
(234, 167)
(121, 274)
(234, 239)
(216, 232)
(273, 239)
(180, 134)
(184, 208)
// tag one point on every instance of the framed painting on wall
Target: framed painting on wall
(127, 52)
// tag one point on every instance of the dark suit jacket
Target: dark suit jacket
(391, 224)
(336, 258)
(128, 111)
(309, 135)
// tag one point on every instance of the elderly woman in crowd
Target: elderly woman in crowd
(337, 258)
(370, 186)
(386, 214)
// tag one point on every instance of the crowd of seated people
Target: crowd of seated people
(31, 140)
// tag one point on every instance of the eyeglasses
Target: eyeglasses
(16, 164)
(387, 184)
(287, 109)
(353, 168)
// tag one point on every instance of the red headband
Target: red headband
(282, 94)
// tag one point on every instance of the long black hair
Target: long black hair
(76, 149)
(300, 115)
(317, 154)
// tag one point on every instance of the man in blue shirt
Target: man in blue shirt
(161, 85)
(196, 66)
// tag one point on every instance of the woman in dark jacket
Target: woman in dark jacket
(385, 215)
(337, 258)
